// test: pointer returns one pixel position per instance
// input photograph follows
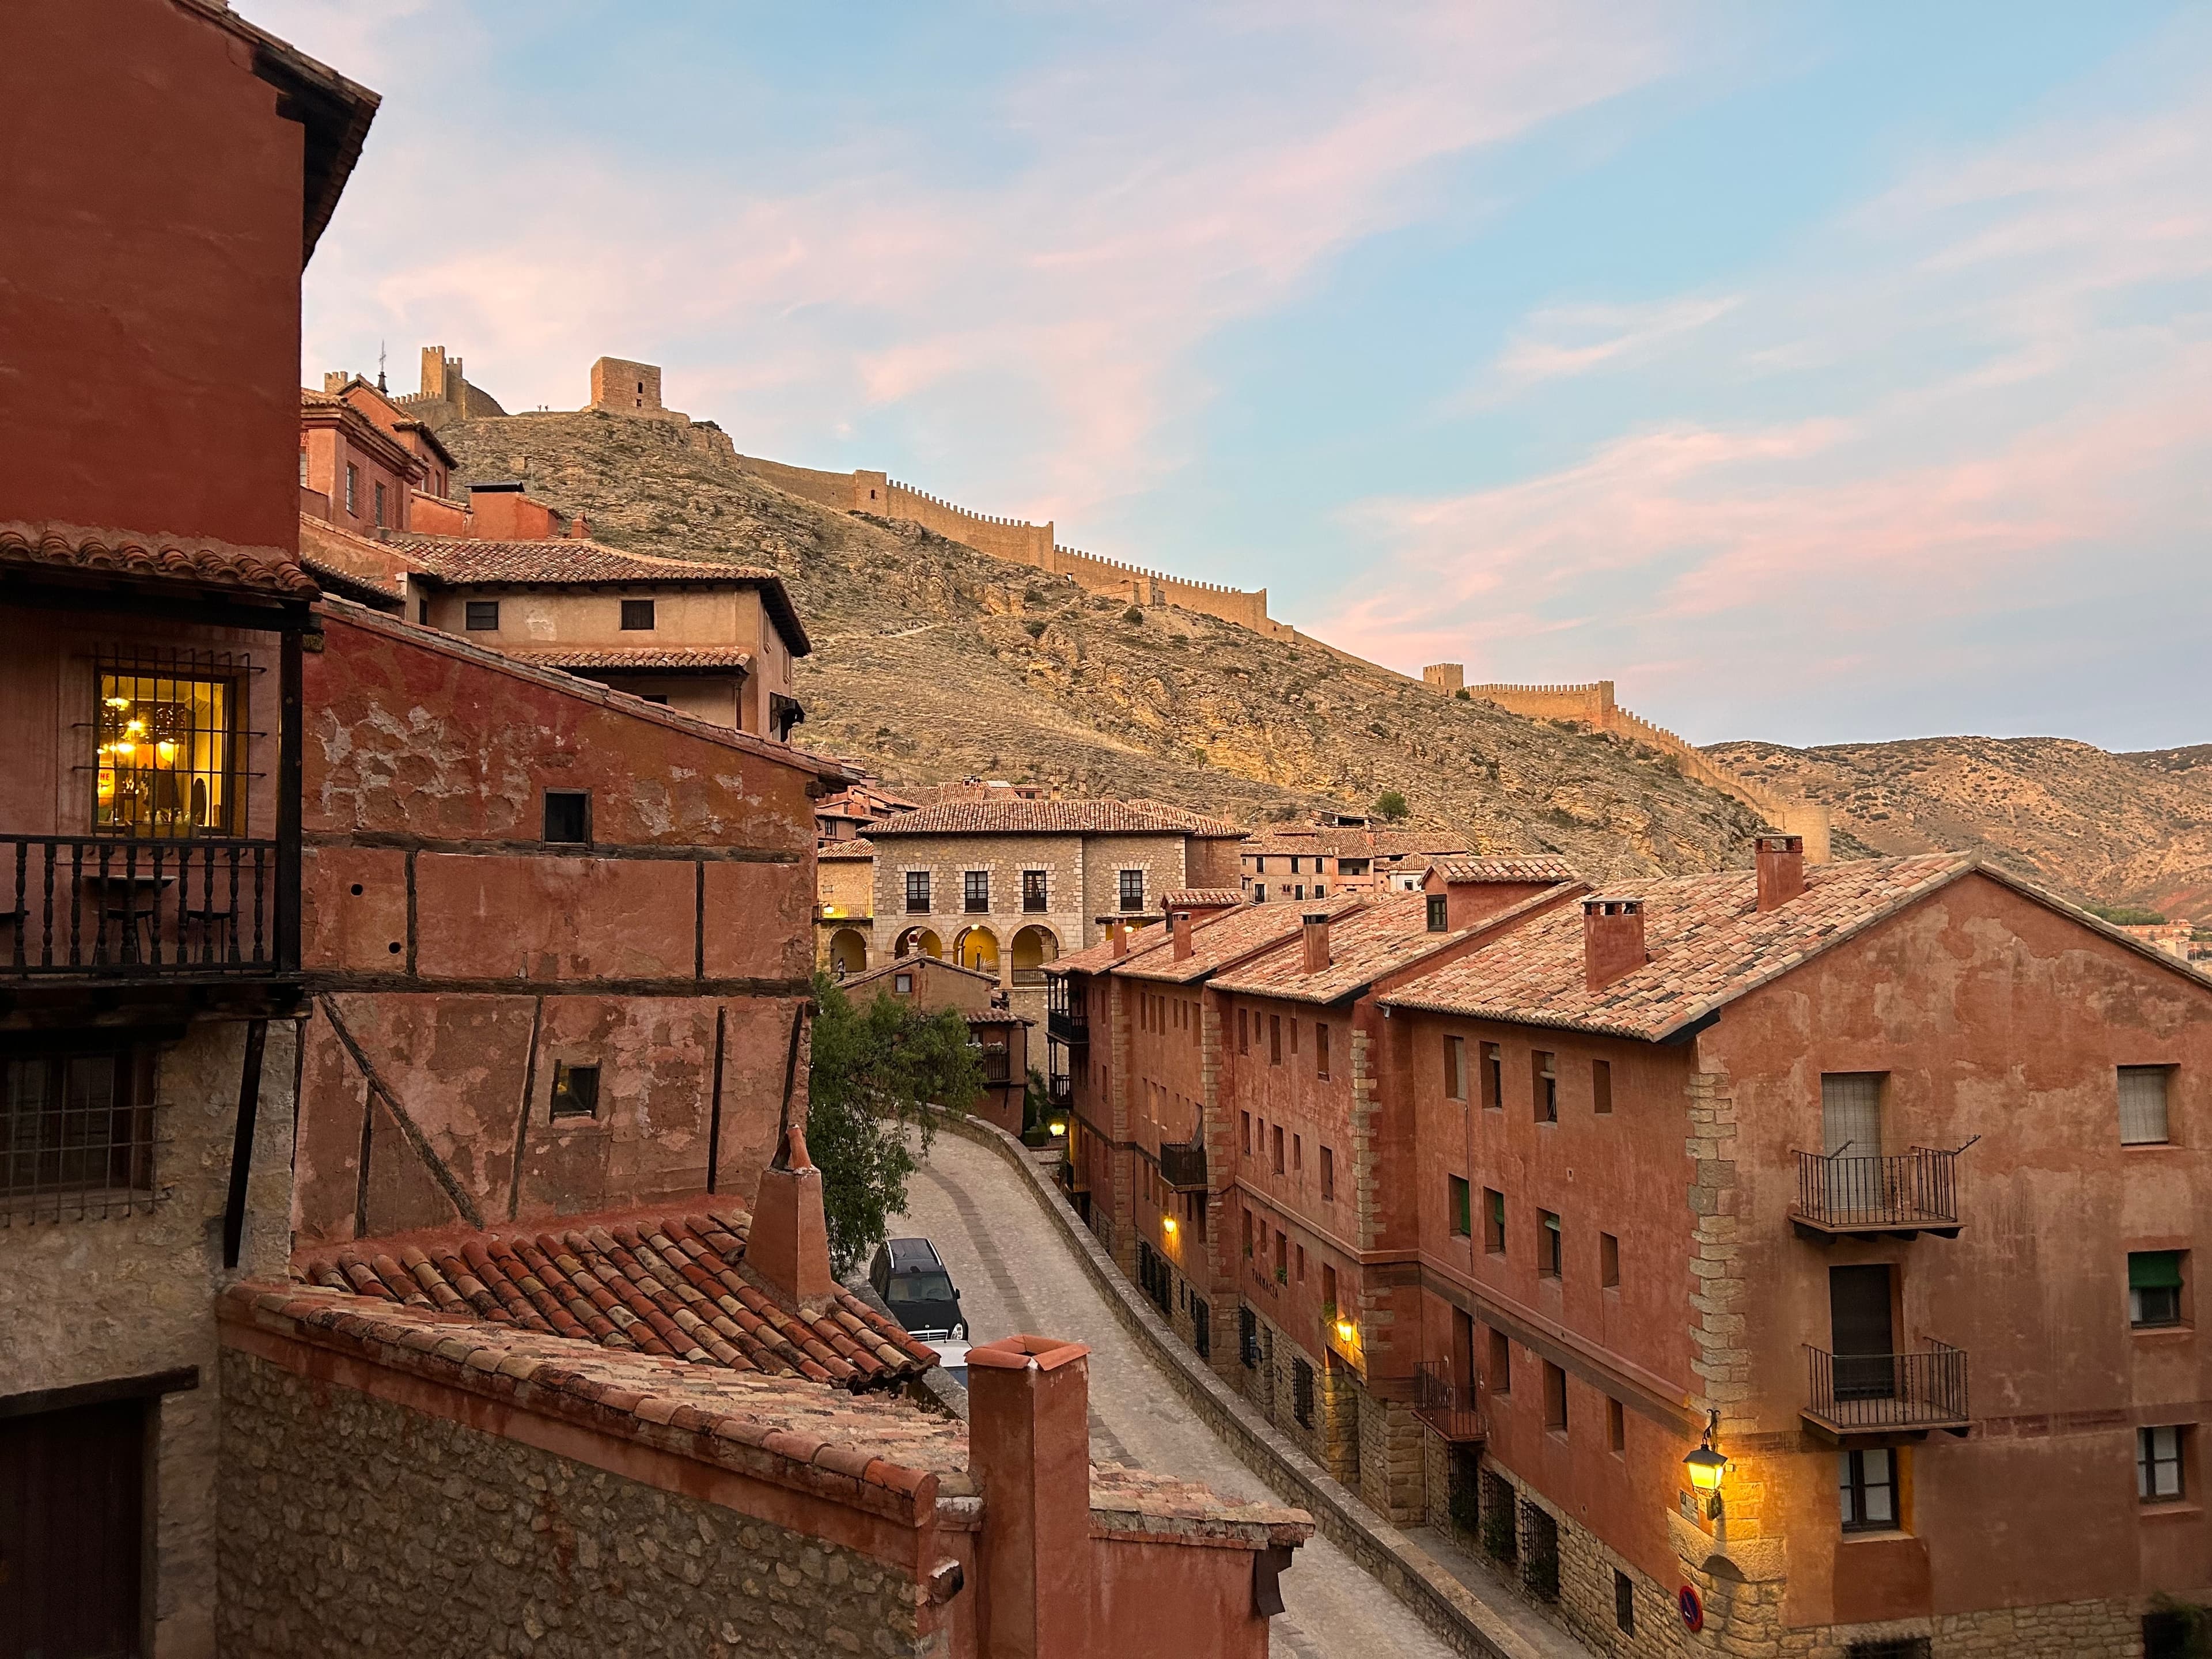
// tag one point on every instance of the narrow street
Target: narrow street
(1014, 1273)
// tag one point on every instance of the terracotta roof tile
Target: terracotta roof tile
(657, 1285)
(1534, 868)
(1097, 959)
(678, 656)
(1218, 942)
(575, 561)
(1056, 817)
(858, 847)
(199, 563)
(1201, 898)
(1707, 941)
(1382, 936)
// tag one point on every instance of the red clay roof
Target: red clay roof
(207, 565)
(678, 658)
(1056, 817)
(1097, 959)
(1201, 898)
(667, 1285)
(1382, 936)
(857, 847)
(1219, 942)
(1535, 868)
(1708, 943)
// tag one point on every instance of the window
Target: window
(166, 755)
(1294, 1036)
(1328, 1303)
(1493, 1077)
(1493, 1221)
(75, 1142)
(1455, 1068)
(2142, 1105)
(1321, 1052)
(1616, 1427)
(1301, 1393)
(975, 890)
(1274, 1039)
(1321, 889)
(1298, 892)
(379, 504)
(1608, 1261)
(1132, 890)
(1462, 1224)
(353, 490)
(1302, 1264)
(1866, 1489)
(1540, 1552)
(576, 1089)
(1850, 1115)
(568, 816)
(1555, 1398)
(1247, 1118)
(480, 616)
(1243, 1033)
(2153, 1288)
(1897, 1647)
(637, 616)
(1501, 1363)
(1544, 1069)
(1247, 1336)
(902, 983)
(1624, 1597)
(1601, 1087)
(917, 892)
(1037, 892)
(1328, 1175)
(1298, 1154)
(1295, 865)
(2169, 1635)
(1282, 1257)
(1439, 914)
(2158, 1465)
(1550, 1253)
(1279, 1149)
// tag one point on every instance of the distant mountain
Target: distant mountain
(2131, 828)
(934, 662)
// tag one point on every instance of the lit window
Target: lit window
(166, 748)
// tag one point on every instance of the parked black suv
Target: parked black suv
(913, 1284)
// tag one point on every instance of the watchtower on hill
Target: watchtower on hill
(622, 387)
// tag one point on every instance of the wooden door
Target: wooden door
(1858, 1318)
(72, 1507)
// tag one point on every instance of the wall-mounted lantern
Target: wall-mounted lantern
(1706, 1467)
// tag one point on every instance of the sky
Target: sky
(1824, 373)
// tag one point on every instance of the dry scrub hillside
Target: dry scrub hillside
(932, 662)
(2111, 829)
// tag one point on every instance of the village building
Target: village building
(1338, 852)
(844, 906)
(1006, 885)
(1001, 1035)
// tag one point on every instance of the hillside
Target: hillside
(2108, 829)
(934, 662)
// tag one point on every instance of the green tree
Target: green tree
(1391, 805)
(877, 1072)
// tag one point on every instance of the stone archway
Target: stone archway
(1034, 947)
(977, 948)
(919, 942)
(848, 951)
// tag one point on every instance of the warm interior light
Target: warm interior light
(1345, 1330)
(1170, 1224)
(1706, 1465)
(166, 752)
(1059, 1127)
(116, 702)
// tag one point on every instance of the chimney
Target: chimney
(1316, 940)
(1179, 928)
(1029, 1453)
(1612, 940)
(1117, 934)
(1781, 869)
(789, 1246)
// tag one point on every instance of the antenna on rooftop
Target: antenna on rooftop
(380, 386)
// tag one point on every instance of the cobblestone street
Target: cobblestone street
(1015, 1274)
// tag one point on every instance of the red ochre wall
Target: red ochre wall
(162, 407)
(465, 958)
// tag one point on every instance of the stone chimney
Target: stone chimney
(788, 1247)
(1316, 940)
(1029, 1453)
(1117, 934)
(1612, 940)
(1781, 869)
(1179, 930)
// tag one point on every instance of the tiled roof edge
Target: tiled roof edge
(380, 1334)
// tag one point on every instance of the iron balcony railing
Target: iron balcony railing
(1437, 1402)
(1875, 1393)
(1917, 1190)
(1183, 1167)
(117, 907)
(1029, 977)
(1065, 1018)
(1061, 1090)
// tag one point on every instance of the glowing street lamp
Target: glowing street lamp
(1706, 1467)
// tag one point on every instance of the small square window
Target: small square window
(2153, 1288)
(2143, 1105)
(637, 616)
(902, 983)
(1463, 1223)
(2158, 1465)
(481, 615)
(1608, 1261)
(576, 1089)
(569, 816)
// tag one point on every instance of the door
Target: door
(1850, 1131)
(72, 1489)
(1463, 1362)
(1858, 1318)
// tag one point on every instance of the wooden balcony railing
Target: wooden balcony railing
(118, 908)
(1916, 1192)
(1851, 1394)
(1065, 1018)
(1183, 1167)
(1061, 1090)
(1437, 1402)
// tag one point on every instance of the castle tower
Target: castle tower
(622, 387)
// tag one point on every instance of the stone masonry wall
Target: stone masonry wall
(357, 1529)
(97, 1300)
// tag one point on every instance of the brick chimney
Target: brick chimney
(1029, 1452)
(788, 1247)
(1612, 940)
(1117, 934)
(1179, 930)
(1316, 941)
(1781, 869)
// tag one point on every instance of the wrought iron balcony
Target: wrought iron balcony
(1183, 1167)
(114, 908)
(1065, 1018)
(1860, 1197)
(1437, 1402)
(1860, 1394)
(1060, 1092)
